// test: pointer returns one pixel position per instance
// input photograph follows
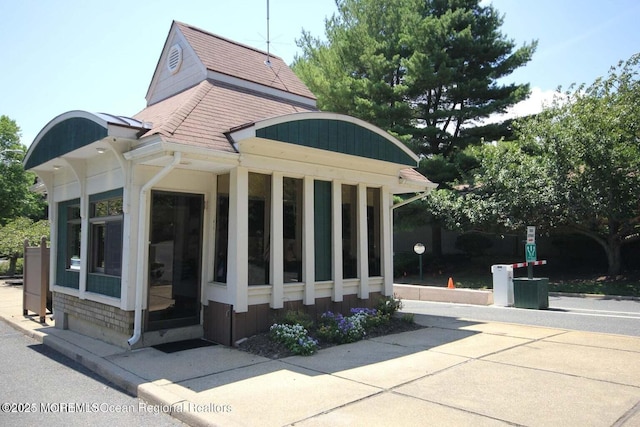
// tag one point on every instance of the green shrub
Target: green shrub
(297, 317)
(407, 317)
(389, 305)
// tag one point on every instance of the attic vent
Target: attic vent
(174, 59)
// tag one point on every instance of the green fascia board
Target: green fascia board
(337, 136)
(64, 137)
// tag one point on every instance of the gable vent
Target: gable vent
(174, 59)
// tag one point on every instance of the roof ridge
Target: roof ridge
(246, 46)
(180, 114)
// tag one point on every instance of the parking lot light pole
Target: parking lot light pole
(419, 248)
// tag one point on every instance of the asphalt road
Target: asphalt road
(608, 315)
(38, 386)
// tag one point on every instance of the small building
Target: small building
(228, 198)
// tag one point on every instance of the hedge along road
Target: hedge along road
(609, 314)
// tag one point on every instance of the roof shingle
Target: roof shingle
(201, 115)
(234, 59)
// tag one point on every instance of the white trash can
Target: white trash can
(502, 284)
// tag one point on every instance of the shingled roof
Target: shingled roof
(247, 63)
(239, 86)
(201, 116)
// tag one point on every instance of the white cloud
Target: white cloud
(534, 104)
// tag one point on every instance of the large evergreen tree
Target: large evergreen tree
(421, 69)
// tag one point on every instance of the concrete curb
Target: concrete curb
(439, 294)
(594, 296)
(151, 393)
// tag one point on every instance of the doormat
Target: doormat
(173, 347)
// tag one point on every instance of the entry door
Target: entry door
(174, 260)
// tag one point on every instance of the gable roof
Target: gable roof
(237, 60)
(201, 115)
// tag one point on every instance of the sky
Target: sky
(62, 55)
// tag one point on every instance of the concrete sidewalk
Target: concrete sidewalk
(454, 372)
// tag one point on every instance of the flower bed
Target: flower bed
(297, 334)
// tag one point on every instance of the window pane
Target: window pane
(73, 245)
(259, 228)
(113, 248)
(115, 207)
(222, 229)
(100, 209)
(292, 229)
(349, 231)
(97, 245)
(374, 230)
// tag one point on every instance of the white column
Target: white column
(79, 168)
(308, 240)
(336, 207)
(386, 202)
(277, 243)
(238, 261)
(363, 247)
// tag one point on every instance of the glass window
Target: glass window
(292, 229)
(73, 238)
(106, 236)
(349, 231)
(374, 230)
(222, 229)
(259, 228)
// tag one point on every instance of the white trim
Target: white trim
(237, 258)
(277, 241)
(336, 227)
(363, 247)
(246, 84)
(308, 249)
(386, 222)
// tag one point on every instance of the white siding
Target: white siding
(191, 72)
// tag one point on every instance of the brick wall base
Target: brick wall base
(101, 321)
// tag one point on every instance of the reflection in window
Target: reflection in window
(259, 228)
(222, 229)
(292, 226)
(349, 231)
(373, 231)
(106, 236)
(73, 238)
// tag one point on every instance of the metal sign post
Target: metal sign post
(530, 250)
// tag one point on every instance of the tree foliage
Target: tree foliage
(420, 69)
(15, 232)
(575, 167)
(16, 198)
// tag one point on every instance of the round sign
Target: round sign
(418, 248)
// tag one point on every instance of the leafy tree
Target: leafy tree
(423, 70)
(575, 168)
(14, 234)
(16, 199)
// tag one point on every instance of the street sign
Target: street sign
(531, 234)
(530, 252)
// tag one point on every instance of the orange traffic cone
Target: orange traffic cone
(450, 285)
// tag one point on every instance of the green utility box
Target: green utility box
(531, 293)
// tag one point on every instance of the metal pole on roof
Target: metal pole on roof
(268, 61)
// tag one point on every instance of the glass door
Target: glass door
(174, 260)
